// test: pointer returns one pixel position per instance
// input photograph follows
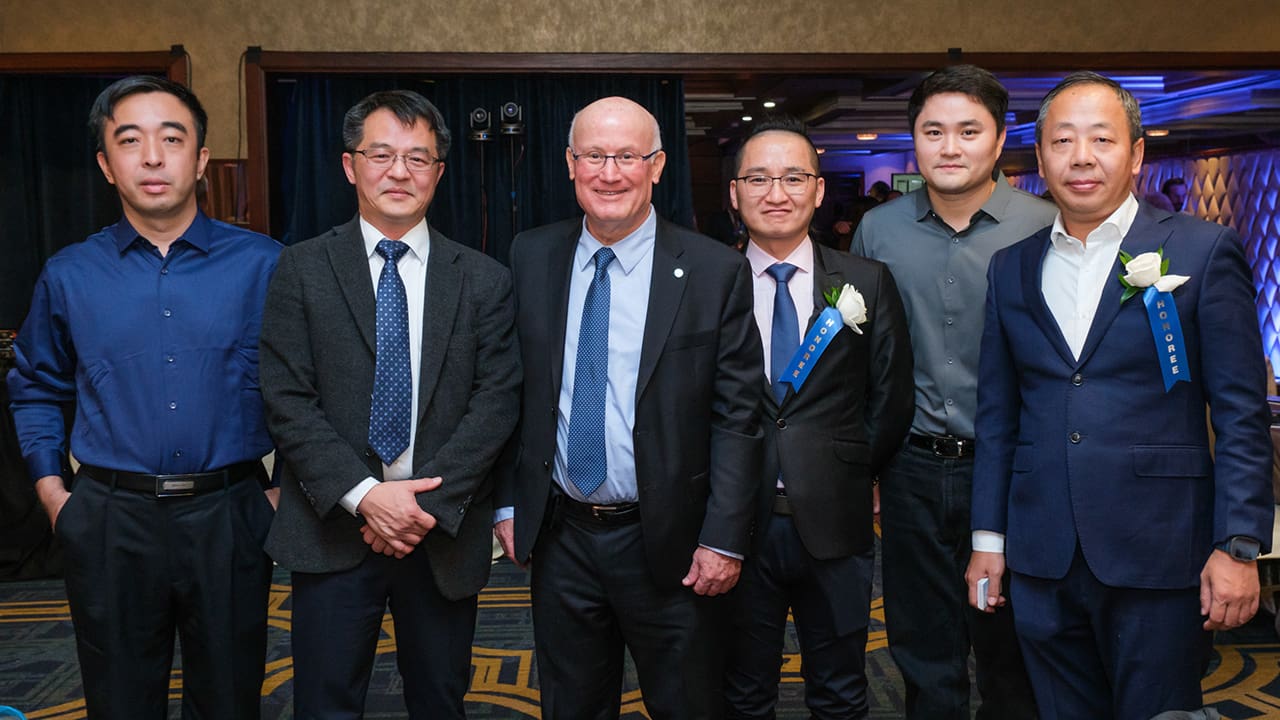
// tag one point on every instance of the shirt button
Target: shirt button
(1077, 379)
(164, 271)
(955, 241)
(168, 312)
(951, 321)
(169, 359)
(1075, 438)
(950, 361)
(173, 406)
(951, 281)
(950, 401)
(782, 423)
(177, 453)
(546, 464)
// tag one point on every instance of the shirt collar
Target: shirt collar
(197, 235)
(761, 261)
(416, 238)
(995, 207)
(628, 251)
(1119, 221)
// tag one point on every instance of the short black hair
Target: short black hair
(1132, 113)
(104, 107)
(1164, 188)
(778, 123)
(408, 106)
(969, 80)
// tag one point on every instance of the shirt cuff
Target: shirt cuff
(351, 500)
(725, 553)
(42, 463)
(988, 541)
(503, 513)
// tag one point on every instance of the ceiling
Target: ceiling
(1201, 110)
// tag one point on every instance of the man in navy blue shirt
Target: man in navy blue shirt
(150, 327)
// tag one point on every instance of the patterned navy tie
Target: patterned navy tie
(786, 328)
(389, 420)
(586, 452)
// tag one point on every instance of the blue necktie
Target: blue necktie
(586, 452)
(786, 328)
(389, 419)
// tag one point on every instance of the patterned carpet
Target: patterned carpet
(39, 675)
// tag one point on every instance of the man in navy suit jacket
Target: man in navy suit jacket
(1092, 481)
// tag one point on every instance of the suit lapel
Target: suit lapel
(1145, 235)
(351, 267)
(665, 293)
(1033, 255)
(559, 269)
(440, 307)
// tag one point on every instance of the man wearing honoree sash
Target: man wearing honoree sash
(1094, 485)
(150, 328)
(632, 475)
(825, 436)
(391, 378)
(938, 241)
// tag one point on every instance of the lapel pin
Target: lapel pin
(678, 272)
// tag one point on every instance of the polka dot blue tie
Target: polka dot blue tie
(785, 337)
(586, 452)
(392, 382)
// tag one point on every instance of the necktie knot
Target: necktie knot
(391, 250)
(781, 272)
(603, 257)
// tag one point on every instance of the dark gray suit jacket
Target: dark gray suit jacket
(831, 438)
(317, 367)
(697, 434)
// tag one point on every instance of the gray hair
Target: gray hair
(1132, 112)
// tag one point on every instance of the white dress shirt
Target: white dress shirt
(1072, 279)
(413, 273)
(765, 287)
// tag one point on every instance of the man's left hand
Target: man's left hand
(1228, 591)
(712, 573)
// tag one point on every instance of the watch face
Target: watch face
(1242, 548)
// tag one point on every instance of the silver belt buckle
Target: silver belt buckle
(174, 486)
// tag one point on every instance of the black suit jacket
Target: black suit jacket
(697, 434)
(317, 366)
(830, 439)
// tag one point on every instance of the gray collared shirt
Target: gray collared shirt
(942, 276)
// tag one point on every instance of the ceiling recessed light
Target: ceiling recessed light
(1157, 133)
(770, 104)
(746, 118)
(821, 150)
(867, 136)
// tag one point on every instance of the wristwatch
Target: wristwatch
(1241, 547)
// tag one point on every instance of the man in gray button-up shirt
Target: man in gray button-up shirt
(937, 241)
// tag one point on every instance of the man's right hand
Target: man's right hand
(989, 565)
(53, 495)
(505, 531)
(392, 513)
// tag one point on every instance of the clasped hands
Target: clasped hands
(394, 523)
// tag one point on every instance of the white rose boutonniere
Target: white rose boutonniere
(1147, 270)
(853, 309)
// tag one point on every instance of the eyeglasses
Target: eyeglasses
(415, 162)
(792, 183)
(624, 160)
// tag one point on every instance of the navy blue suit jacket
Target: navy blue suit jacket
(1094, 451)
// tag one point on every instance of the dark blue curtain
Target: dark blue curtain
(53, 192)
(473, 204)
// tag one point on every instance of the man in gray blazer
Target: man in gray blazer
(388, 411)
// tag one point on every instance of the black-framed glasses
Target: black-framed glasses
(624, 160)
(415, 162)
(792, 183)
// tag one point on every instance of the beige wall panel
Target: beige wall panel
(215, 32)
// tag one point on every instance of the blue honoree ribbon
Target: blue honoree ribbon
(811, 348)
(1167, 331)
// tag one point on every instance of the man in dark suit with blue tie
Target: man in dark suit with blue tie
(632, 474)
(825, 439)
(1094, 484)
(389, 408)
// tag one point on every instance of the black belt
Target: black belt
(177, 485)
(781, 505)
(944, 446)
(616, 514)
